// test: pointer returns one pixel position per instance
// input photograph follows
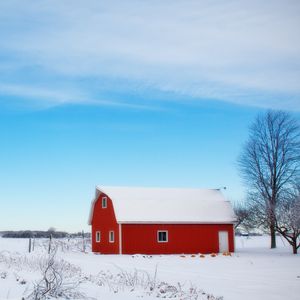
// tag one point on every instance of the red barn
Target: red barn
(129, 220)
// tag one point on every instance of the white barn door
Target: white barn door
(223, 241)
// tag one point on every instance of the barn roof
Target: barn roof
(167, 205)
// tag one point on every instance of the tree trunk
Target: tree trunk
(273, 236)
(295, 247)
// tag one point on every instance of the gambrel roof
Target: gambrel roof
(167, 205)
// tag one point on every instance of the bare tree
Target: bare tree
(288, 220)
(269, 164)
(51, 229)
(243, 215)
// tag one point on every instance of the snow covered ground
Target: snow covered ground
(253, 272)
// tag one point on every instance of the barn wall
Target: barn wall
(185, 238)
(104, 220)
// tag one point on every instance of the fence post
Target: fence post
(83, 241)
(50, 241)
(29, 245)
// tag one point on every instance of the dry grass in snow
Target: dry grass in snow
(253, 272)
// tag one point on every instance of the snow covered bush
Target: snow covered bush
(18, 261)
(60, 279)
(142, 282)
(66, 244)
(3, 274)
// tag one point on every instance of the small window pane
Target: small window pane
(162, 236)
(104, 202)
(98, 236)
(111, 236)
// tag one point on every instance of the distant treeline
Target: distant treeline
(41, 234)
(246, 233)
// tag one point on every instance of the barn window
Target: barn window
(104, 202)
(111, 236)
(162, 236)
(98, 236)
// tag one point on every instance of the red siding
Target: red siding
(185, 238)
(142, 238)
(104, 220)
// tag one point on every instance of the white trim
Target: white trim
(98, 233)
(167, 236)
(97, 193)
(109, 236)
(104, 201)
(233, 239)
(120, 238)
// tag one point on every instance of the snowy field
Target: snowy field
(253, 272)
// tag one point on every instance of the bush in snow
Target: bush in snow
(66, 245)
(3, 274)
(18, 261)
(142, 281)
(59, 280)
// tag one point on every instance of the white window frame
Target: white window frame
(111, 236)
(98, 236)
(167, 236)
(104, 202)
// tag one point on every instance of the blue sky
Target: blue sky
(157, 93)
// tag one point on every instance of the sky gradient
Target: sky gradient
(157, 93)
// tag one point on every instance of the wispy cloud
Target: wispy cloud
(44, 94)
(48, 97)
(236, 51)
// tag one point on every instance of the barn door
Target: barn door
(223, 241)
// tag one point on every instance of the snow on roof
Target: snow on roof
(167, 205)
